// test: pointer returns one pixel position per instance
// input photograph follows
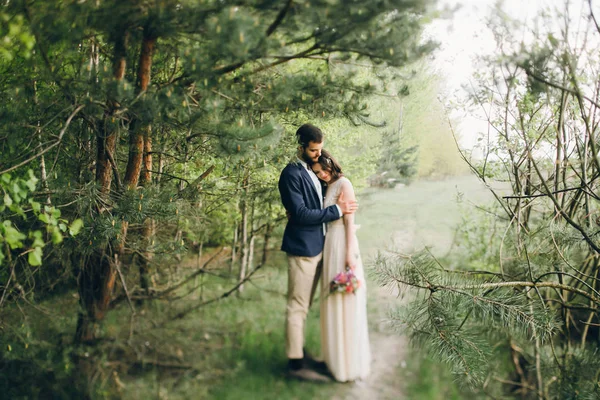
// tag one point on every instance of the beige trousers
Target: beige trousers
(303, 277)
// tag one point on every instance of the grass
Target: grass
(429, 380)
(423, 213)
(236, 346)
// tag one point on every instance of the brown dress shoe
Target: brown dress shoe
(305, 374)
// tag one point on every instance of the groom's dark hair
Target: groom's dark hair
(308, 133)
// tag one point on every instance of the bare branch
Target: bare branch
(279, 18)
(56, 143)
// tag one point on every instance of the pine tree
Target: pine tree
(139, 102)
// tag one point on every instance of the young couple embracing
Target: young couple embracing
(320, 242)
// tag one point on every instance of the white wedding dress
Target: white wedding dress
(344, 331)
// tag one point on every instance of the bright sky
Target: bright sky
(466, 35)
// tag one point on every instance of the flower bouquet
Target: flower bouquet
(344, 282)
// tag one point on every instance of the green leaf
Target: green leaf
(62, 226)
(38, 241)
(35, 206)
(7, 200)
(5, 178)
(44, 218)
(76, 227)
(12, 236)
(17, 209)
(55, 213)
(34, 258)
(57, 237)
(32, 182)
(17, 192)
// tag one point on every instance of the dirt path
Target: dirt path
(389, 349)
(403, 219)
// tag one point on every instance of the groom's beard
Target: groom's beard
(307, 159)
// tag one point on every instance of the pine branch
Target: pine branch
(279, 18)
(513, 284)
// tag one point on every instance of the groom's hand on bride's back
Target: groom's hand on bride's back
(347, 206)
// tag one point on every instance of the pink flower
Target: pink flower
(344, 282)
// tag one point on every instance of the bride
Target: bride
(344, 331)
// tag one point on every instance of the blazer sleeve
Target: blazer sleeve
(292, 198)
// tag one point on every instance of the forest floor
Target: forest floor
(232, 348)
(404, 219)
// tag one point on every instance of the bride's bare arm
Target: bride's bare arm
(351, 245)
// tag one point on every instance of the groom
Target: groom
(303, 240)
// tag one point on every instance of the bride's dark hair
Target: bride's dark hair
(329, 164)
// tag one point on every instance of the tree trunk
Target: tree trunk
(250, 264)
(134, 162)
(179, 232)
(97, 277)
(244, 239)
(161, 163)
(146, 178)
(149, 227)
(139, 163)
(105, 149)
(244, 244)
(234, 245)
(139, 137)
(95, 289)
(268, 233)
(43, 170)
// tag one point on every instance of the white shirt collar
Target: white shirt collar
(304, 164)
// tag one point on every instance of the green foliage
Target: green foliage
(36, 357)
(15, 37)
(451, 317)
(20, 210)
(581, 370)
(424, 123)
(397, 161)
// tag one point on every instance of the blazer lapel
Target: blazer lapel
(310, 183)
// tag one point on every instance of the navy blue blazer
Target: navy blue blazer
(303, 234)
